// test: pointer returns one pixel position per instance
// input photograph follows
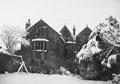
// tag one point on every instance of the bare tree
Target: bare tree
(11, 37)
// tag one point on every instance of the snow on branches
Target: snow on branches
(89, 49)
(109, 31)
(12, 38)
(112, 59)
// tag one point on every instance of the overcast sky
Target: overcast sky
(57, 13)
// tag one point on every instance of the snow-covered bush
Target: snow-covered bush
(102, 41)
(89, 49)
(112, 59)
(63, 71)
(110, 32)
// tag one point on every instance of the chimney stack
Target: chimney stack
(28, 24)
(74, 30)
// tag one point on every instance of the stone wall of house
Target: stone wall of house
(48, 61)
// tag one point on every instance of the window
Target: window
(40, 44)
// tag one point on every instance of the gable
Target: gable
(85, 32)
(66, 34)
(83, 36)
(65, 31)
(39, 25)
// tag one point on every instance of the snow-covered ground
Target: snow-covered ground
(23, 78)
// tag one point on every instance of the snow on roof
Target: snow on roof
(62, 38)
(70, 42)
(40, 39)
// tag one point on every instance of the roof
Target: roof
(85, 31)
(66, 34)
(40, 39)
(65, 31)
(70, 42)
(62, 39)
(40, 23)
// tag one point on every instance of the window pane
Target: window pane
(45, 46)
(35, 45)
(41, 45)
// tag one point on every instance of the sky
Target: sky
(58, 13)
